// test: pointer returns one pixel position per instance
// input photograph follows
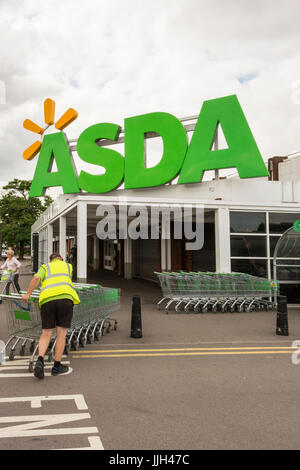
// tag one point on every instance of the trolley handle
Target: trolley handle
(15, 297)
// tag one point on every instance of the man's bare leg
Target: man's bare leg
(60, 343)
(44, 341)
(43, 346)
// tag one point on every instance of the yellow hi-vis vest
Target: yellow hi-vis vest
(58, 281)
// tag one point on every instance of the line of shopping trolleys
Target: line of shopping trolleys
(207, 291)
(90, 319)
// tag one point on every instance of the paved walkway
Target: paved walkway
(193, 381)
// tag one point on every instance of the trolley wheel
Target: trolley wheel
(90, 339)
(67, 349)
(82, 342)
(115, 325)
(32, 346)
(97, 335)
(50, 357)
(11, 355)
(22, 350)
(75, 345)
(204, 310)
(30, 367)
(108, 328)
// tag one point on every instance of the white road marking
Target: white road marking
(36, 402)
(22, 366)
(26, 358)
(35, 425)
(21, 363)
(41, 421)
(95, 444)
(30, 374)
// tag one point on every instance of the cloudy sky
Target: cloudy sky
(116, 59)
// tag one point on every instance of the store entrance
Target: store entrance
(196, 260)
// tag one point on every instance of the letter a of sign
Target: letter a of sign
(54, 147)
(242, 152)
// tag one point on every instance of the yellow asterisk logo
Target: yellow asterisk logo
(49, 112)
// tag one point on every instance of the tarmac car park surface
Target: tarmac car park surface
(193, 381)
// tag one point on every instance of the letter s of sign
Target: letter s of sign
(90, 152)
(295, 355)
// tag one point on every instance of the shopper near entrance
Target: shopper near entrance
(12, 264)
(56, 300)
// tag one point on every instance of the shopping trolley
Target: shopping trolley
(90, 319)
(7, 278)
(207, 291)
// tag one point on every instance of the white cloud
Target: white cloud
(111, 60)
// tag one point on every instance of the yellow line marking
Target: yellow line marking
(224, 353)
(180, 349)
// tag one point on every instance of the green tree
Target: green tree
(18, 212)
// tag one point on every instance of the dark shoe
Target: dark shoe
(61, 369)
(39, 369)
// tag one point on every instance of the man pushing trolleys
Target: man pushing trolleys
(56, 300)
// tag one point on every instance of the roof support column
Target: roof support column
(222, 236)
(82, 241)
(62, 236)
(49, 241)
(127, 258)
(96, 253)
(165, 244)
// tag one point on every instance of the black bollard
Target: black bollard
(136, 318)
(282, 327)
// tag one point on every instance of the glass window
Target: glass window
(273, 243)
(247, 222)
(286, 272)
(280, 222)
(292, 291)
(248, 246)
(289, 246)
(253, 266)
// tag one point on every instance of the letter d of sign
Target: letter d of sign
(174, 139)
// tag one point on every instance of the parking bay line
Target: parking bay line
(195, 353)
(249, 348)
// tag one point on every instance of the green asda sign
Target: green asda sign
(179, 158)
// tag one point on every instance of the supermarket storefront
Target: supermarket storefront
(241, 217)
(243, 221)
